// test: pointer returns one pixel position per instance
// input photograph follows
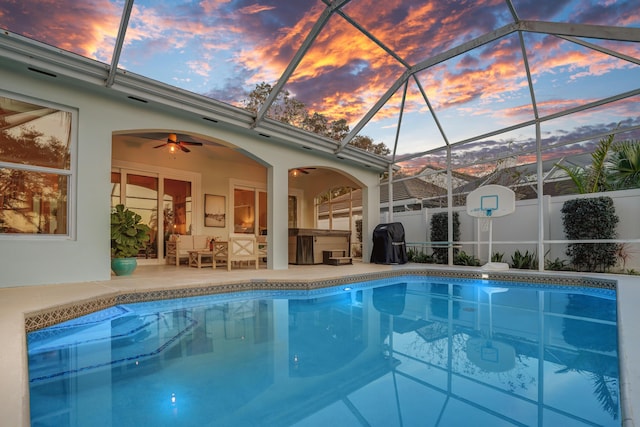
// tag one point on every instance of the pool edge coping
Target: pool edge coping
(55, 314)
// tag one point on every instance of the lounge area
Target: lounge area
(203, 251)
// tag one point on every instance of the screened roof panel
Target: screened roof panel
(481, 91)
(417, 29)
(567, 75)
(87, 28)
(506, 144)
(594, 12)
(343, 73)
(593, 123)
(418, 128)
(218, 49)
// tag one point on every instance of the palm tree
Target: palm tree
(624, 165)
(594, 178)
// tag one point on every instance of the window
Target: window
(249, 211)
(35, 168)
(293, 212)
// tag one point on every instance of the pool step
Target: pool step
(336, 257)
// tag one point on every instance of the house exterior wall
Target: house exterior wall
(85, 256)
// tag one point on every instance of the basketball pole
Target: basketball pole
(490, 265)
(490, 236)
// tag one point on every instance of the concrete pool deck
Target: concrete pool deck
(17, 302)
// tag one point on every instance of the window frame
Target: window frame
(70, 173)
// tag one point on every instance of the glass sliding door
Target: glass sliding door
(244, 211)
(164, 203)
(249, 211)
(141, 196)
(262, 212)
(177, 207)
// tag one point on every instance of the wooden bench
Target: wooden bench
(336, 257)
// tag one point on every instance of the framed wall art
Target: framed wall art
(214, 211)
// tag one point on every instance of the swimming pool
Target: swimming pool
(402, 351)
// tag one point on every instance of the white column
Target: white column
(277, 212)
(370, 218)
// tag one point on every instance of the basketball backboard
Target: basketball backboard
(491, 201)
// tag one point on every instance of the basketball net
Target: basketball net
(486, 221)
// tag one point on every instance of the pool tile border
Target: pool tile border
(61, 313)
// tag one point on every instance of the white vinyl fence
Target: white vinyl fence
(519, 231)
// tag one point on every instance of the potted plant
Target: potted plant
(128, 237)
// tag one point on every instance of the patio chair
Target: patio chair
(262, 248)
(242, 247)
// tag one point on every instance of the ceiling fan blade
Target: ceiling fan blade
(191, 143)
(183, 148)
(161, 145)
(303, 171)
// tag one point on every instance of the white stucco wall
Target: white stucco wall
(26, 260)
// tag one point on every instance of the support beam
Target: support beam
(602, 32)
(117, 49)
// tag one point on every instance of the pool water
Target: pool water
(412, 351)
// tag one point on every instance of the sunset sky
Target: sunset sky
(223, 48)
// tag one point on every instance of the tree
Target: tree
(285, 108)
(367, 144)
(593, 178)
(289, 110)
(614, 166)
(624, 165)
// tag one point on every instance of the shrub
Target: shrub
(527, 261)
(415, 255)
(440, 233)
(556, 265)
(461, 258)
(593, 218)
(497, 257)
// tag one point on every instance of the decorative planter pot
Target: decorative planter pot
(123, 266)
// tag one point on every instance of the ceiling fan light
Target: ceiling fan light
(172, 147)
(295, 173)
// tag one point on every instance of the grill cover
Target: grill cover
(389, 246)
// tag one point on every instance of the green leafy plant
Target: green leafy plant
(497, 257)
(526, 261)
(556, 265)
(614, 166)
(440, 233)
(461, 258)
(128, 234)
(593, 178)
(586, 219)
(625, 165)
(415, 255)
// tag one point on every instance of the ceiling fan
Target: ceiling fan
(297, 171)
(174, 144)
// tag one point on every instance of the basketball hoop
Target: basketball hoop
(486, 203)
